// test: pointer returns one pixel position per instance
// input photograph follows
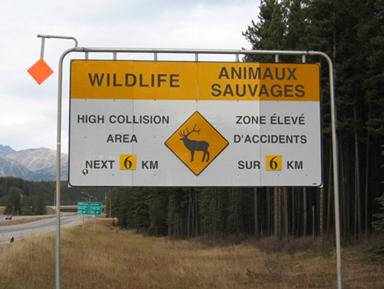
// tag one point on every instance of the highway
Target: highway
(22, 231)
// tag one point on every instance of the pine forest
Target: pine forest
(352, 34)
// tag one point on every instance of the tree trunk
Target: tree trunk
(189, 213)
(256, 213)
(286, 217)
(293, 211)
(343, 202)
(329, 198)
(275, 213)
(313, 222)
(305, 213)
(366, 191)
(268, 196)
(277, 227)
(357, 180)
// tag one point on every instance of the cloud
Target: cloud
(27, 121)
(28, 111)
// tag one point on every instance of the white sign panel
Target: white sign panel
(135, 123)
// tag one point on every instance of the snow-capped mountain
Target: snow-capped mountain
(31, 164)
(12, 168)
(5, 149)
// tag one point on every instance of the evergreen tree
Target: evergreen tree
(378, 251)
(39, 205)
(211, 208)
(13, 201)
(269, 32)
(141, 210)
(296, 24)
(27, 206)
(372, 36)
(158, 206)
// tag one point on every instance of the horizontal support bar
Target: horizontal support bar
(192, 51)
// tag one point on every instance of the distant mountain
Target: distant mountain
(6, 149)
(32, 164)
(13, 169)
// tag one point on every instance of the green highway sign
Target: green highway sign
(89, 208)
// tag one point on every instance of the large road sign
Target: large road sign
(142, 123)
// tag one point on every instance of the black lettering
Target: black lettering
(254, 73)
(150, 165)
(88, 164)
(228, 90)
(240, 92)
(223, 73)
(248, 165)
(236, 72)
(263, 91)
(130, 79)
(292, 74)
(280, 76)
(267, 74)
(174, 80)
(96, 78)
(276, 90)
(115, 82)
(81, 118)
(142, 81)
(161, 78)
(252, 89)
(300, 90)
(215, 89)
(289, 90)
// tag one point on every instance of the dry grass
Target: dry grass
(23, 221)
(111, 258)
(2, 209)
(50, 211)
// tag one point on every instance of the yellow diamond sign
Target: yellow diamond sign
(196, 143)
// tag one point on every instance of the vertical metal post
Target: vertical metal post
(335, 166)
(58, 153)
(58, 178)
(276, 57)
(42, 48)
(335, 175)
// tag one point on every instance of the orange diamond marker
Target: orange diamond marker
(196, 143)
(40, 71)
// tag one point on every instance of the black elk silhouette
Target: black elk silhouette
(195, 145)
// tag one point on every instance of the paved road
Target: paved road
(22, 231)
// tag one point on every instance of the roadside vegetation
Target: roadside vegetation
(30, 198)
(23, 220)
(106, 257)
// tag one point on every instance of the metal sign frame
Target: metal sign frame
(196, 53)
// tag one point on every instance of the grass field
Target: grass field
(23, 221)
(111, 258)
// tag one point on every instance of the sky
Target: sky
(28, 110)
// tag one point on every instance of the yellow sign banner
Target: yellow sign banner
(165, 80)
